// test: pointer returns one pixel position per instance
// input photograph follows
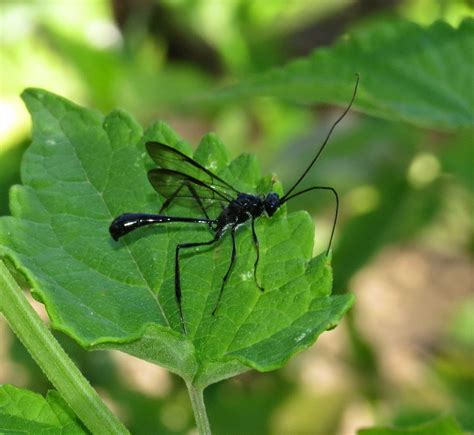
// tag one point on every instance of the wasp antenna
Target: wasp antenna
(326, 140)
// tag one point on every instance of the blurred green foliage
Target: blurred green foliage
(441, 426)
(400, 185)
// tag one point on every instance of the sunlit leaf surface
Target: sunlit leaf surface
(81, 171)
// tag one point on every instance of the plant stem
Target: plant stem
(55, 363)
(199, 408)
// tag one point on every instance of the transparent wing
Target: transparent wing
(170, 183)
(174, 160)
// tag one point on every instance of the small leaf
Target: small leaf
(212, 153)
(404, 74)
(81, 171)
(22, 411)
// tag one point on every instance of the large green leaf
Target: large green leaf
(419, 75)
(81, 171)
(23, 411)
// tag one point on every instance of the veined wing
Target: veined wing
(170, 183)
(170, 158)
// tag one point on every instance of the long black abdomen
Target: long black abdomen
(128, 222)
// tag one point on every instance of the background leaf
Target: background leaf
(22, 411)
(83, 170)
(407, 73)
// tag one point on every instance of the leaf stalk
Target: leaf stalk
(199, 408)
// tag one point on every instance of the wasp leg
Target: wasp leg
(257, 248)
(224, 280)
(177, 274)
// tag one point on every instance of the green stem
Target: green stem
(199, 408)
(55, 363)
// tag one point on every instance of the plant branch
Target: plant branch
(52, 359)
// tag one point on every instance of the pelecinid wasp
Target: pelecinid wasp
(180, 176)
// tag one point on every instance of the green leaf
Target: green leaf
(440, 426)
(83, 170)
(457, 158)
(407, 73)
(22, 411)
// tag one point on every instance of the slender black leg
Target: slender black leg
(198, 200)
(257, 248)
(193, 193)
(177, 275)
(224, 280)
(170, 199)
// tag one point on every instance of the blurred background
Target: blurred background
(404, 243)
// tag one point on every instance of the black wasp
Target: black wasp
(180, 176)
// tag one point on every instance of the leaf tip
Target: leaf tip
(36, 93)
